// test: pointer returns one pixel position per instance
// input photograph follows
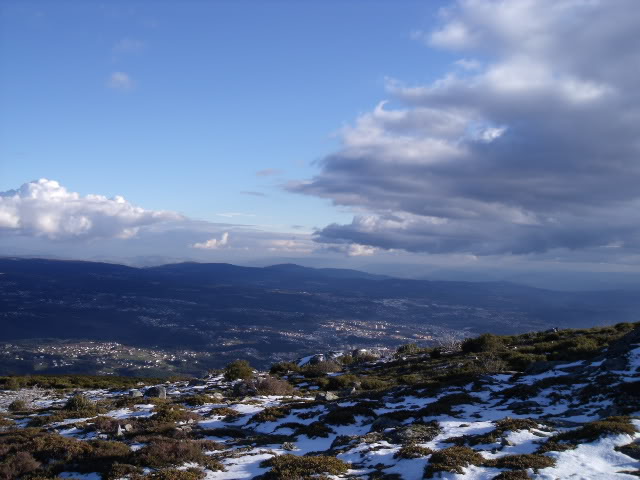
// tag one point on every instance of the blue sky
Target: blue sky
(454, 134)
(218, 92)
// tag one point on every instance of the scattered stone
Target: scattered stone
(382, 423)
(289, 446)
(326, 397)
(415, 433)
(135, 393)
(244, 389)
(156, 392)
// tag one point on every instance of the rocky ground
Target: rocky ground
(557, 420)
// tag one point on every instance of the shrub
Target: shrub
(412, 451)
(374, 384)
(165, 453)
(79, 402)
(521, 462)
(269, 414)
(346, 415)
(197, 400)
(175, 474)
(452, 459)
(273, 386)
(407, 349)
(590, 432)
(238, 370)
(224, 412)
(486, 342)
(341, 381)
(18, 405)
(292, 467)
(283, 368)
(345, 359)
(17, 465)
(320, 369)
(172, 413)
(118, 471)
(314, 430)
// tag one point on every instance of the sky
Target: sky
(402, 137)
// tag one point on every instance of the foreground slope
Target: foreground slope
(421, 414)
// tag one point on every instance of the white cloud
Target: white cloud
(214, 243)
(357, 250)
(45, 208)
(291, 246)
(120, 81)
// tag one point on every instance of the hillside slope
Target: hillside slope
(568, 413)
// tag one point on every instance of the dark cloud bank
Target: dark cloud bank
(533, 147)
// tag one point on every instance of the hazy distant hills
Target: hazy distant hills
(274, 311)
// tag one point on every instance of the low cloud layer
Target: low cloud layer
(213, 243)
(44, 208)
(528, 144)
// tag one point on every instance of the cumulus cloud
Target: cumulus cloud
(44, 208)
(120, 81)
(214, 243)
(531, 146)
(291, 246)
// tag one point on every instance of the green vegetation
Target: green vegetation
(413, 451)
(269, 414)
(452, 459)
(591, 432)
(238, 370)
(166, 452)
(18, 405)
(292, 467)
(76, 381)
(521, 462)
(273, 386)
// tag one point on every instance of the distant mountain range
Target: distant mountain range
(274, 312)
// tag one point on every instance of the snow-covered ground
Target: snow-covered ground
(369, 445)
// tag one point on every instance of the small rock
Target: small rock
(289, 446)
(326, 397)
(217, 396)
(415, 433)
(120, 432)
(128, 427)
(135, 393)
(382, 423)
(244, 389)
(156, 392)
